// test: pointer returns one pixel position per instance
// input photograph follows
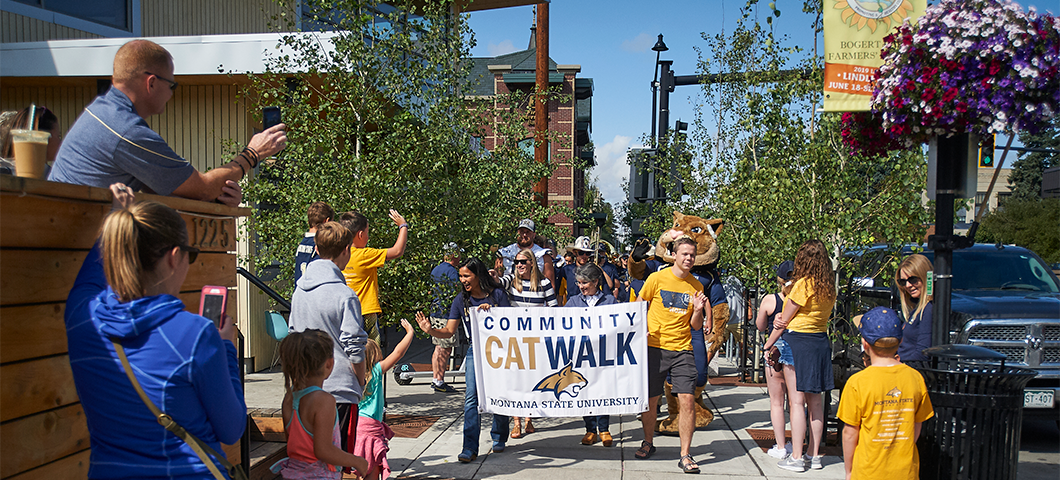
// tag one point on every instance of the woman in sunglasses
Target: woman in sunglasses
(126, 295)
(527, 287)
(916, 307)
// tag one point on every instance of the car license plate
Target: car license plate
(1038, 398)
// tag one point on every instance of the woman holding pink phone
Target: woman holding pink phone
(125, 300)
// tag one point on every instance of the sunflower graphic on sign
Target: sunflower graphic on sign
(872, 13)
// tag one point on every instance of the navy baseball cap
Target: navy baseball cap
(880, 322)
(785, 269)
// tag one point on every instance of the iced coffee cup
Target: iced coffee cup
(31, 152)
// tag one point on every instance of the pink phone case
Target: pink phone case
(213, 303)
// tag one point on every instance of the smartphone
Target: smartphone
(213, 302)
(270, 117)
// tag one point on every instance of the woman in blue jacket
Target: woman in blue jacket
(589, 277)
(126, 292)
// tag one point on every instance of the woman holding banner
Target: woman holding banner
(527, 287)
(589, 277)
(481, 291)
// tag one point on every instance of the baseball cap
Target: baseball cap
(785, 269)
(527, 224)
(880, 322)
(582, 243)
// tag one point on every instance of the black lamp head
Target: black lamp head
(660, 46)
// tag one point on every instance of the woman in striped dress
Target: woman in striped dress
(527, 287)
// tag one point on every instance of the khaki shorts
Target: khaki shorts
(443, 342)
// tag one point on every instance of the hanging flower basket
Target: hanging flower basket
(980, 66)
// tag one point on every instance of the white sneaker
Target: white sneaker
(815, 463)
(777, 452)
(793, 464)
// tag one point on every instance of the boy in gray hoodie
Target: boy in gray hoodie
(322, 301)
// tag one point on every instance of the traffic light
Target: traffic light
(986, 152)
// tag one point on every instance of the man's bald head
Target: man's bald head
(139, 56)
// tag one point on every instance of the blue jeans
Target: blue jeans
(597, 423)
(472, 421)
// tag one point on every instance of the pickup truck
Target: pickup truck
(1004, 298)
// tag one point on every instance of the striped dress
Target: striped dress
(544, 296)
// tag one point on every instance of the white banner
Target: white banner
(561, 362)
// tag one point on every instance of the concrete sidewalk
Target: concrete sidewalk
(724, 449)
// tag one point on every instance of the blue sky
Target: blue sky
(612, 40)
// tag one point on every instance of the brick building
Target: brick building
(571, 118)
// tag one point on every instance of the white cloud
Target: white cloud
(638, 44)
(612, 169)
(497, 49)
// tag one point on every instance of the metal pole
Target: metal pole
(654, 97)
(541, 111)
(665, 87)
(952, 155)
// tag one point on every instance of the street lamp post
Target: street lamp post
(659, 47)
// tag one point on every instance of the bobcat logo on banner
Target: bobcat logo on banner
(564, 381)
(853, 38)
(561, 362)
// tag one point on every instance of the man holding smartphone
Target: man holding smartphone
(112, 143)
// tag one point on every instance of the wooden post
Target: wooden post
(541, 145)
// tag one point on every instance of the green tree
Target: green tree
(1033, 224)
(379, 117)
(1026, 176)
(777, 171)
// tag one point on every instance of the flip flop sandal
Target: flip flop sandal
(529, 428)
(688, 467)
(517, 432)
(645, 451)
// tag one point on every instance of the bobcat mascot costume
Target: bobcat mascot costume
(705, 233)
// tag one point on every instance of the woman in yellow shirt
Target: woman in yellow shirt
(804, 325)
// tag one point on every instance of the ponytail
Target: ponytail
(133, 240)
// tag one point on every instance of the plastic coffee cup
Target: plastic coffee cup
(31, 152)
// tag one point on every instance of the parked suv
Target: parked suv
(1004, 298)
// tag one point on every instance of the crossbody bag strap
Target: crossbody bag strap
(198, 446)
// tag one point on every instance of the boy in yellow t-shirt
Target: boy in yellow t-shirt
(675, 306)
(361, 272)
(883, 406)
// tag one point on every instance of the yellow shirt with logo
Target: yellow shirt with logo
(670, 311)
(362, 276)
(885, 403)
(814, 311)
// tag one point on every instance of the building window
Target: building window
(527, 146)
(1003, 197)
(980, 198)
(112, 13)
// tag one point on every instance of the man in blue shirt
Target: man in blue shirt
(111, 142)
(446, 286)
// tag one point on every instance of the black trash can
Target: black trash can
(978, 402)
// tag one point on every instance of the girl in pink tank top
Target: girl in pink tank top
(309, 416)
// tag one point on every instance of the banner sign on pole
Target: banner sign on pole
(853, 38)
(561, 362)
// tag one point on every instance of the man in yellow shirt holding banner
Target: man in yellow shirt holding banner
(675, 307)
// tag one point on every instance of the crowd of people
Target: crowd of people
(160, 386)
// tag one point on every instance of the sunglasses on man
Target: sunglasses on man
(172, 84)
